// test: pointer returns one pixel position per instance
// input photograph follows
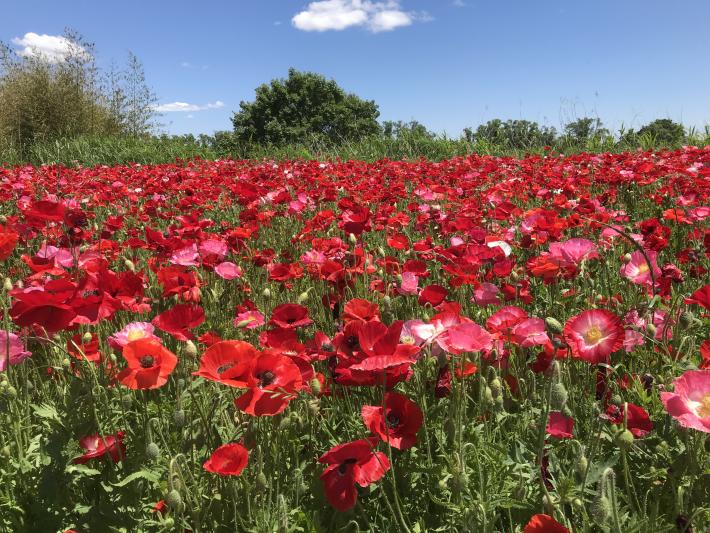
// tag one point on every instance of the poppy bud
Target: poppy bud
(686, 319)
(86, 337)
(66, 363)
(174, 500)
(179, 418)
(626, 258)
(129, 265)
(651, 329)
(514, 275)
(243, 323)
(488, 396)
(152, 451)
(381, 251)
(581, 466)
(302, 297)
(443, 483)
(126, 401)
(113, 358)
(266, 293)
(553, 325)
(496, 387)
(577, 503)
(616, 400)
(315, 386)
(600, 509)
(387, 302)
(7, 284)
(520, 491)
(11, 392)
(558, 396)
(190, 349)
(5, 451)
(3, 219)
(261, 482)
(284, 423)
(624, 439)
(352, 238)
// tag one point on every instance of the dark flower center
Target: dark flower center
(290, 320)
(392, 420)
(353, 342)
(224, 368)
(147, 361)
(343, 468)
(266, 378)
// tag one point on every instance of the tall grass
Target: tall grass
(116, 150)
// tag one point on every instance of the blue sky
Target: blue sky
(447, 63)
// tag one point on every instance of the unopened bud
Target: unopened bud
(179, 418)
(261, 482)
(553, 325)
(626, 258)
(302, 297)
(190, 349)
(352, 238)
(87, 337)
(174, 500)
(266, 293)
(129, 265)
(651, 329)
(686, 319)
(315, 386)
(624, 439)
(558, 396)
(152, 451)
(600, 510)
(7, 284)
(496, 387)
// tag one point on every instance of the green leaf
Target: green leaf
(47, 412)
(82, 469)
(141, 474)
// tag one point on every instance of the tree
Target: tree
(399, 129)
(584, 129)
(517, 134)
(302, 107)
(664, 132)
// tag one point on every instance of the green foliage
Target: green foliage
(43, 99)
(515, 134)
(661, 132)
(303, 106)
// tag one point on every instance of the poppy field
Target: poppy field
(478, 344)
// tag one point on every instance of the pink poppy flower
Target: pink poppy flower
(213, 247)
(410, 284)
(559, 426)
(249, 319)
(486, 294)
(227, 270)
(594, 335)
(187, 256)
(689, 403)
(132, 332)
(638, 271)
(574, 250)
(11, 349)
(530, 332)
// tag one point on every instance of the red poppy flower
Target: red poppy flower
(382, 348)
(149, 364)
(290, 316)
(397, 423)
(593, 335)
(433, 295)
(44, 309)
(8, 241)
(227, 460)
(350, 463)
(637, 420)
(273, 379)
(542, 523)
(97, 447)
(228, 362)
(361, 310)
(84, 350)
(179, 320)
(559, 425)
(700, 297)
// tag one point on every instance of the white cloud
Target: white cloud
(53, 48)
(459, 3)
(325, 15)
(181, 107)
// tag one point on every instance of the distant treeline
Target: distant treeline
(67, 110)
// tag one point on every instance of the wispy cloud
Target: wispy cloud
(183, 107)
(187, 64)
(460, 3)
(53, 48)
(336, 15)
